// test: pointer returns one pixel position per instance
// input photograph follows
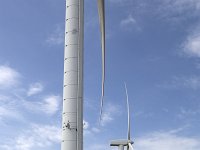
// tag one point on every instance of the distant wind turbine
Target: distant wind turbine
(72, 117)
(127, 142)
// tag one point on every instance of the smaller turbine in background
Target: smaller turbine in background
(127, 142)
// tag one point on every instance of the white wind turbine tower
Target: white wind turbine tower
(72, 117)
(127, 142)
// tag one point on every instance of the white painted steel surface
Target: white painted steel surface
(72, 120)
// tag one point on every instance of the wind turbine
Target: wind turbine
(72, 117)
(127, 142)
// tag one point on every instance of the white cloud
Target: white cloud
(178, 9)
(13, 106)
(166, 141)
(192, 82)
(35, 89)
(4, 98)
(90, 131)
(172, 11)
(39, 136)
(6, 112)
(182, 5)
(51, 104)
(191, 46)
(8, 109)
(57, 37)
(143, 114)
(24, 143)
(9, 77)
(109, 114)
(47, 133)
(95, 130)
(107, 117)
(188, 113)
(129, 23)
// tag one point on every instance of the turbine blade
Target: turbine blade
(128, 112)
(130, 146)
(101, 10)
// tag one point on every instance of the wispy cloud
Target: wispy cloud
(192, 82)
(90, 130)
(56, 37)
(191, 46)
(35, 89)
(143, 114)
(177, 10)
(170, 11)
(185, 10)
(95, 130)
(188, 113)
(182, 5)
(38, 136)
(165, 141)
(7, 112)
(110, 113)
(10, 100)
(8, 109)
(9, 77)
(49, 105)
(129, 23)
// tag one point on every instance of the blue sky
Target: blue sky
(154, 46)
